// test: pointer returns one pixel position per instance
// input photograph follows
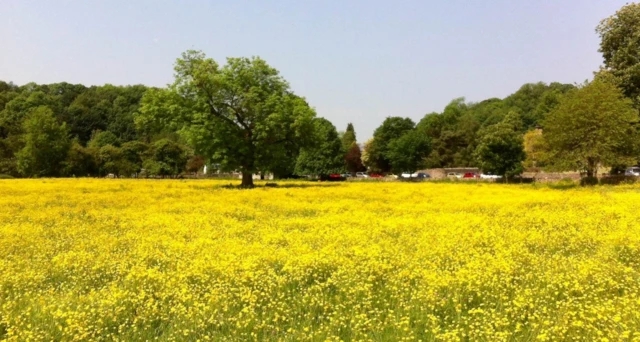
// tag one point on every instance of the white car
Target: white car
(489, 176)
(454, 175)
(632, 171)
(361, 175)
(420, 175)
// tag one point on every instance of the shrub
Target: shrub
(617, 179)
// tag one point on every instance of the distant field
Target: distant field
(193, 260)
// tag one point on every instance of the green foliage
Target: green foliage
(239, 115)
(620, 47)
(46, 145)
(135, 152)
(352, 153)
(83, 110)
(534, 149)
(325, 155)
(500, 148)
(593, 126)
(349, 137)
(168, 158)
(162, 111)
(392, 128)
(81, 161)
(455, 133)
(105, 108)
(406, 154)
(100, 139)
(111, 161)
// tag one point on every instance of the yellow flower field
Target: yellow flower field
(87, 259)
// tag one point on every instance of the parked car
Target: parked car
(489, 176)
(421, 175)
(632, 171)
(346, 175)
(454, 175)
(334, 177)
(470, 175)
(361, 175)
(375, 175)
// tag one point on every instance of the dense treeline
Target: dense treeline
(65, 130)
(456, 131)
(243, 116)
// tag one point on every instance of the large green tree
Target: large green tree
(325, 155)
(500, 148)
(620, 47)
(593, 126)
(392, 128)
(46, 145)
(407, 153)
(238, 115)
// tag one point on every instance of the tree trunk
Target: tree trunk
(247, 179)
(592, 168)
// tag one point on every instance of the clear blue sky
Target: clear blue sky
(357, 61)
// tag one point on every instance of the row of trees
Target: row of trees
(488, 134)
(244, 116)
(241, 117)
(557, 126)
(587, 127)
(72, 130)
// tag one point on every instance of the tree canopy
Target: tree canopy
(620, 47)
(46, 143)
(392, 128)
(325, 155)
(407, 153)
(238, 115)
(593, 126)
(500, 147)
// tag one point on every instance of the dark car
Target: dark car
(423, 175)
(334, 177)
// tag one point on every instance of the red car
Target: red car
(375, 175)
(470, 175)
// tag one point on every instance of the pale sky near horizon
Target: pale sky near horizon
(354, 61)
